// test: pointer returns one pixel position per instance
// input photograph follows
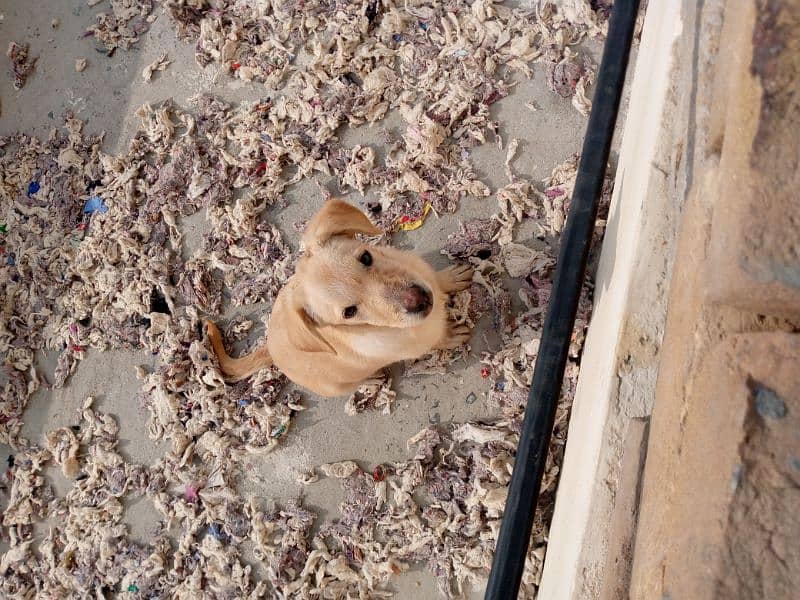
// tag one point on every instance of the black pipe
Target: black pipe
(526, 480)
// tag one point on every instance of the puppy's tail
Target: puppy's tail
(235, 369)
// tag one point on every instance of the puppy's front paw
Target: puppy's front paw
(457, 335)
(455, 278)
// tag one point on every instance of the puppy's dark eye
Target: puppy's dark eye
(365, 259)
(350, 312)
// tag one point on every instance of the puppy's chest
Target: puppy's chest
(391, 344)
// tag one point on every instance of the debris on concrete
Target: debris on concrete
(122, 26)
(511, 151)
(99, 262)
(339, 470)
(160, 64)
(563, 76)
(307, 477)
(579, 100)
(21, 64)
(373, 394)
(474, 238)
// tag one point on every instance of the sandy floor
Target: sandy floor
(106, 95)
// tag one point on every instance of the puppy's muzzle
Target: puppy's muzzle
(417, 300)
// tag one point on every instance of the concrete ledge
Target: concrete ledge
(718, 518)
(622, 527)
(598, 424)
(755, 236)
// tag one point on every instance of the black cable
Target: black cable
(548, 374)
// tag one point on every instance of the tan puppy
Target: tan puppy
(351, 309)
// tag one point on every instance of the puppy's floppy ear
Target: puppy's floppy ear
(337, 218)
(303, 332)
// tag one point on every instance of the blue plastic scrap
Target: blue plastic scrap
(216, 532)
(95, 204)
(33, 187)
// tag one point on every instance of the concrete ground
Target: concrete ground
(106, 96)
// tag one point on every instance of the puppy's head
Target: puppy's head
(343, 281)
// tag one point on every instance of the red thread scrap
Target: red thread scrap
(357, 554)
(378, 473)
(484, 372)
(405, 219)
(77, 348)
(235, 65)
(494, 96)
(191, 493)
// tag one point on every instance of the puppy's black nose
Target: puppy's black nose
(417, 300)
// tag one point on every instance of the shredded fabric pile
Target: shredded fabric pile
(92, 257)
(122, 25)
